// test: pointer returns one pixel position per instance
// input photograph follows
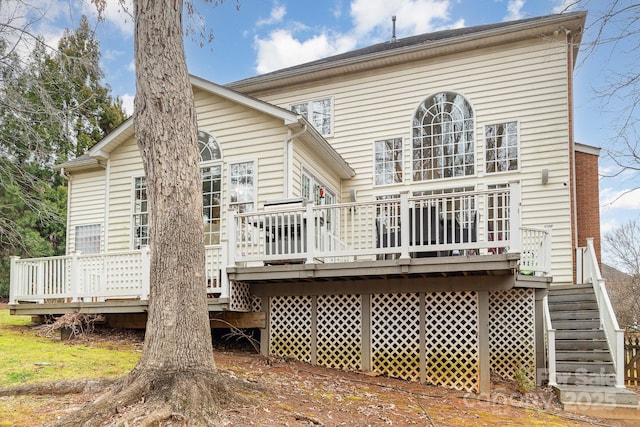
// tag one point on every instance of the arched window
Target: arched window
(443, 138)
(211, 174)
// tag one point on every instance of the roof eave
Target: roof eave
(548, 25)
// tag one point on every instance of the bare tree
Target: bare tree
(614, 27)
(623, 282)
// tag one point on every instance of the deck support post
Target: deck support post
(366, 332)
(231, 236)
(423, 340)
(265, 333)
(314, 330)
(539, 336)
(483, 343)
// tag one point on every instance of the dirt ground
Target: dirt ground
(299, 394)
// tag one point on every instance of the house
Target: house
(403, 208)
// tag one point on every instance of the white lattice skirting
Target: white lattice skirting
(430, 337)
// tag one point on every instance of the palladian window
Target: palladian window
(443, 138)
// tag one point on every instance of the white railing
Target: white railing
(535, 258)
(464, 223)
(551, 343)
(590, 273)
(97, 277)
(477, 222)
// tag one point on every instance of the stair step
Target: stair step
(586, 379)
(575, 324)
(585, 367)
(570, 289)
(553, 299)
(583, 356)
(581, 344)
(575, 315)
(572, 306)
(594, 395)
(577, 334)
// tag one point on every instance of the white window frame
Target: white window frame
(138, 242)
(422, 129)
(230, 177)
(92, 239)
(385, 162)
(212, 226)
(310, 104)
(330, 195)
(505, 148)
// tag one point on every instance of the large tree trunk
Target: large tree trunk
(178, 335)
(176, 377)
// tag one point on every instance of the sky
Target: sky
(265, 35)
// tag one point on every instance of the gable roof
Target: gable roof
(415, 47)
(309, 135)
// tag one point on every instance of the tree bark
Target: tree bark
(178, 335)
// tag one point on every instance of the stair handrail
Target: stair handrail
(608, 321)
(551, 343)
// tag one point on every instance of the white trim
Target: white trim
(309, 103)
(402, 162)
(483, 147)
(255, 182)
(586, 149)
(475, 139)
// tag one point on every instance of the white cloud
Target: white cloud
(614, 199)
(565, 6)
(514, 7)
(277, 14)
(281, 49)
(132, 65)
(127, 103)
(371, 20)
(412, 16)
(114, 14)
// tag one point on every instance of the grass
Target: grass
(26, 358)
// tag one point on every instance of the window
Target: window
(87, 239)
(241, 187)
(388, 161)
(140, 219)
(443, 140)
(498, 215)
(211, 174)
(501, 147)
(315, 190)
(317, 112)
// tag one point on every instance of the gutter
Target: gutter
(288, 161)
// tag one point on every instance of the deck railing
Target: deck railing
(471, 223)
(589, 272)
(464, 223)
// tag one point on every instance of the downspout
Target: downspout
(107, 193)
(572, 153)
(67, 177)
(288, 162)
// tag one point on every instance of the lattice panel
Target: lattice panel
(452, 340)
(290, 327)
(240, 297)
(339, 334)
(395, 335)
(512, 344)
(256, 304)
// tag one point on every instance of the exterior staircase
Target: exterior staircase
(585, 372)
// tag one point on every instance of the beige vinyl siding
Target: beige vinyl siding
(86, 203)
(305, 159)
(125, 163)
(524, 81)
(244, 135)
